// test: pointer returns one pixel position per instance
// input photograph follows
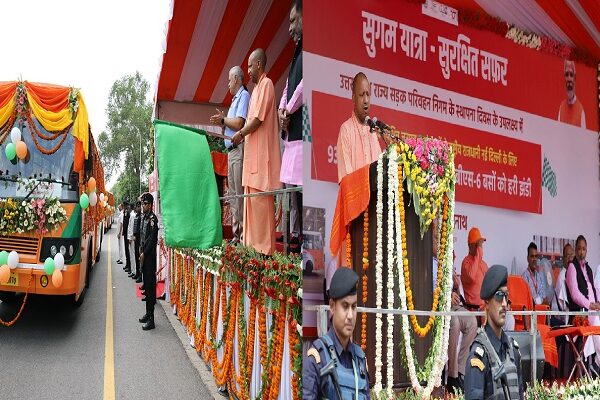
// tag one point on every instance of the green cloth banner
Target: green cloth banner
(189, 199)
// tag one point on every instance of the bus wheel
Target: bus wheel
(99, 249)
(78, 301)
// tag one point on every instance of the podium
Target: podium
(420, 256)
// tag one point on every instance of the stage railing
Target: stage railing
(285, 203)
(322, 320)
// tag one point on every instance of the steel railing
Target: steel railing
(322, 320)
(285, 201)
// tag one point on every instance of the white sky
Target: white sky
(86, 44)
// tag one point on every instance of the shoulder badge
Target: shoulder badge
(152, 222)
(315, 354)
(479, 351)
(476, 362)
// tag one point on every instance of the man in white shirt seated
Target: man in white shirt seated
(538, 286)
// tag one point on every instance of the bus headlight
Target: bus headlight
(51, 246)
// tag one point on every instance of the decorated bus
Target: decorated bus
(52, 196)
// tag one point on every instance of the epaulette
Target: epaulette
(312, 352)
(477, 363)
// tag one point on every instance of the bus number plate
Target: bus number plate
(13, 280)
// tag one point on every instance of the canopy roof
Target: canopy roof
(206, 38)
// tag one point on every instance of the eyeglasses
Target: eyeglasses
(501, 295)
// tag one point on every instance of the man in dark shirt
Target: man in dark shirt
(334, 367)
(493, 369)
(136, 238)
(149, 241)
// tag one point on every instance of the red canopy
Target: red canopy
(207, 37)
(572, 22)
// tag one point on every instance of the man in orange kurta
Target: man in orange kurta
(473, 269)
(571, 110)
(356, 145)
(262, 158)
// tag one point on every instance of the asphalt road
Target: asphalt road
(56, 351)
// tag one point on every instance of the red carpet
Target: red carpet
(160, 289)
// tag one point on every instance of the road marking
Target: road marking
(109, 355)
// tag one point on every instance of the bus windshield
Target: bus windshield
(55, 171)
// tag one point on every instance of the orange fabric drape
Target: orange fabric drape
(219, 163)
(79, 157)
(7, 92)
(353, 199)
(49, 97)
(549, 344)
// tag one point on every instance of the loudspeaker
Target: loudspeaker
(524, 340)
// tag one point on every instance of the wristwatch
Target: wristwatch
(223, 121)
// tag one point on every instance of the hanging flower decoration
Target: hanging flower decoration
(426, 166)
(365, 280)
(213, 287)
(523, 38)
(74, 100)
(21, 101)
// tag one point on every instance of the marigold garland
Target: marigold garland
(295, 348)
(365, 279)
(220, 300)
(420, 331)
(348, 250)
(10, 323)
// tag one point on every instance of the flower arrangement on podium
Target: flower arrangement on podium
(427, 167)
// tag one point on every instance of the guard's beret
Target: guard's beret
(147, 197)
(343, 283)
(495, 277)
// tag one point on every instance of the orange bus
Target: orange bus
(50, 179)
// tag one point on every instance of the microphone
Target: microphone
(381, 125)
(371, 122)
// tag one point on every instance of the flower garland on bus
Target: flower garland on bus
(40, 215)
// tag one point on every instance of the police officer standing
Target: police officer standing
(149, 240)
(137, 222)
(334, 367)
(493, 369)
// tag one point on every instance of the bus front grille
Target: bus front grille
(26, 246)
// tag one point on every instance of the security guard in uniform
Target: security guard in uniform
(493, 369)
(149, 240)
(334, 367)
